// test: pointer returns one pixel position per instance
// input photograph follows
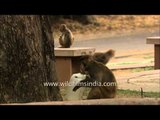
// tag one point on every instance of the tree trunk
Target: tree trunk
(27, 59)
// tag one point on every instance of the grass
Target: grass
(126, 94)
(142, 69)
(133, 93)
(130, 63)
(123, 63)
(148, 57)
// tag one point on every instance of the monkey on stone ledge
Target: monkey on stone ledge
(66, 39)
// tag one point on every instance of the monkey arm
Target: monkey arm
(68, 37)
(81, 83)
(61, 41)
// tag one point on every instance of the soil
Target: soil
(110, 24)
(118, 29)
(114, 27)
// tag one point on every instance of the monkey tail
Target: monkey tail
(110, 53)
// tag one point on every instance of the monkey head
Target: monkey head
(84, 60)
(63, 27)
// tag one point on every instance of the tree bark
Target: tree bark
(27, 59)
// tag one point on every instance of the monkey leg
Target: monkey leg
(100, 92)
(107, 91)
(95, 93)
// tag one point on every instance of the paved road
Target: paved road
(132, 42)
(121, 43)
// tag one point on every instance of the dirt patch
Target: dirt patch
(111, 24)
(147, 80)
(121, 25)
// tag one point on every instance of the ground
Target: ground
(127, 35)
(109, 24)
(132, 52)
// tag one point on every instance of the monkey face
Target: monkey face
(84, 62)
(85, 59)
(63, 27)
(82, 69)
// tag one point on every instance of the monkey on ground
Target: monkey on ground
(66, 39)
(97, 72)
(103, 57)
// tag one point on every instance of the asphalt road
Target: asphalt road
(121, 43)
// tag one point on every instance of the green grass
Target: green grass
(148, 60)
(123, 63)
(132, 93)
(148, 57)
(143, 69)
(126, 93)
(130, 63)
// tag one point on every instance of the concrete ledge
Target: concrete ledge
(71, 52)
(116, 101)
(68, 61)
(156, 42)
(153, 40)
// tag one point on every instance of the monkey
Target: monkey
(104, 57)
(97, 72)
(66, 38)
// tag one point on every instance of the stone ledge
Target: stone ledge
(72, 52)
(153, 40)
